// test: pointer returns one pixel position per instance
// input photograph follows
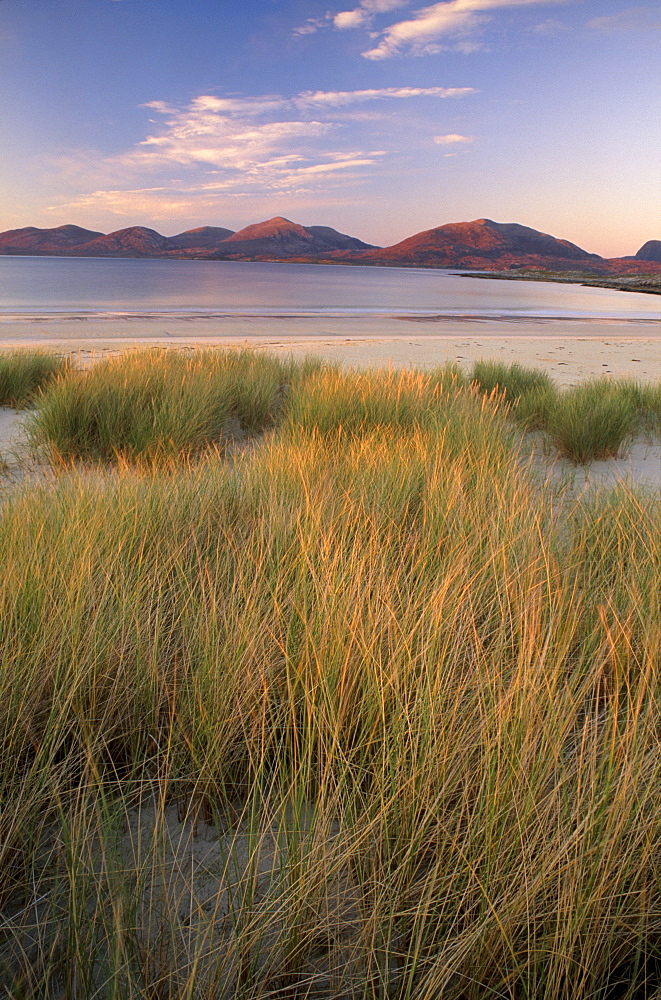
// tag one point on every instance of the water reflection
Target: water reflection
(60, 284)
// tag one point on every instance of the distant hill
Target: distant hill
(482, 244)
(276, 238)
(279, 237)
(45, 241)
(627, 265)
(136, 241)
(650, 251)
(203, 238)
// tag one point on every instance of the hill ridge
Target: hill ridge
(481, 244)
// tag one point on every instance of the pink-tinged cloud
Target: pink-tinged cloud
(239, 146)
(451, 139)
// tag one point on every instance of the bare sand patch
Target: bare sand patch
(567, 360)
(639, 465)
(11, 428)
(14, 450)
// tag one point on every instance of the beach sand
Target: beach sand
(568, 349)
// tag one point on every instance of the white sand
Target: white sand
(569, 350)
(11, 429)
(639, 465)
(567, 360)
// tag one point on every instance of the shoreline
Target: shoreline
(569, 349)
(646, 284)
(315, 316)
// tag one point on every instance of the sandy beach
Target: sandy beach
(568, 349)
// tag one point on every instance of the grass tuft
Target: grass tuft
(593, 420)
(645, 398)
(24, 374)
(513, 380)
(531, 393)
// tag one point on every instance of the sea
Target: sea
(111, 287)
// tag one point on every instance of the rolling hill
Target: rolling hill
(482, 245)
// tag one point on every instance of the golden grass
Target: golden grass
(367, 713)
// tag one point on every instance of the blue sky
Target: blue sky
(380, 118)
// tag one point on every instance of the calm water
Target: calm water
(86, 285)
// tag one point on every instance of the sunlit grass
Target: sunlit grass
(513, 380)
(155, 405)
(367, 713)
(24, 373)
(596, 419)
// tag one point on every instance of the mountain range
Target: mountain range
(478, 245)
(277, 237)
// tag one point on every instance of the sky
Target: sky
(380, 119)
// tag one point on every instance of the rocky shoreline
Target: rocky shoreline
(648, 283)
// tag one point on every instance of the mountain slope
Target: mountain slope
(650, 251)
(482, 245)
(31, 240)
(279, 237)
(275, 238)
(203, 238)
(136, 241)
(479, 244)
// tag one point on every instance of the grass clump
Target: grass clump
(593, 420)
(513, 380)
(24, 374)
(645, 398)
(154, 405)
(530, 392)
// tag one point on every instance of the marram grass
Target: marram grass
(364, 714)
(161, 406)
(157, 405)
(23, 374)
(595, 419)
(512, 380)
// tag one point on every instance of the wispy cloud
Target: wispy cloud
(310, 26)
(423, 32)
(359, 17)
(363, 15)
(133, 203)
(632, 19)
(551, 27)
(241, 146)
(190, 136)
(229, 133)
(337, 98)
(452, 139)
